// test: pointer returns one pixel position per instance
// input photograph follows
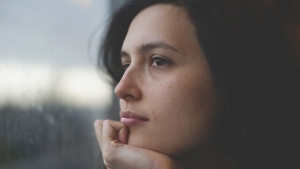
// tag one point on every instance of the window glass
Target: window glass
(51, 91)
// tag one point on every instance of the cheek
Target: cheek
(176, 113)
(189, 107)
(180, 109)
(176, 96)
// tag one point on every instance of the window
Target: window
(50, 89)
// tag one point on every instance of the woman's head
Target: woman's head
(167, 81)
(200, 71)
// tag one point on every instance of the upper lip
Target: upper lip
(129, 114)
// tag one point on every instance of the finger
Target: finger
(123, 131)
(99, 132)
(123, 135)
(115, 132)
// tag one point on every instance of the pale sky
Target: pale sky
(59, 32)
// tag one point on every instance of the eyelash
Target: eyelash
(125, 65)
(157, 58)
(153, 60)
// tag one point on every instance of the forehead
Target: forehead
(161, 22)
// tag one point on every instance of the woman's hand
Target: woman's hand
(117, 154)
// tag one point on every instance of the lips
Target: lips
(130, 119)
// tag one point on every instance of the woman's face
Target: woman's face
(167, 94)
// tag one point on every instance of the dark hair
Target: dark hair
(248, 54)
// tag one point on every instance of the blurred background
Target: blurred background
(51, 91)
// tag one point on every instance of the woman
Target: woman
(197, 82)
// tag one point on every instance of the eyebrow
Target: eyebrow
(151, 46)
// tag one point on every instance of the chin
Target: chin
(142, 142)
(155, 144)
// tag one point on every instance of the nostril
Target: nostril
(128, 96)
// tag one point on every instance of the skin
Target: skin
(168, 81)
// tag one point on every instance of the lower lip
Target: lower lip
(131, 121)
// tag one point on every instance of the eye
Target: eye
(159, 61)
(125, 65)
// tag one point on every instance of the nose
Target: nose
(128, 88)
